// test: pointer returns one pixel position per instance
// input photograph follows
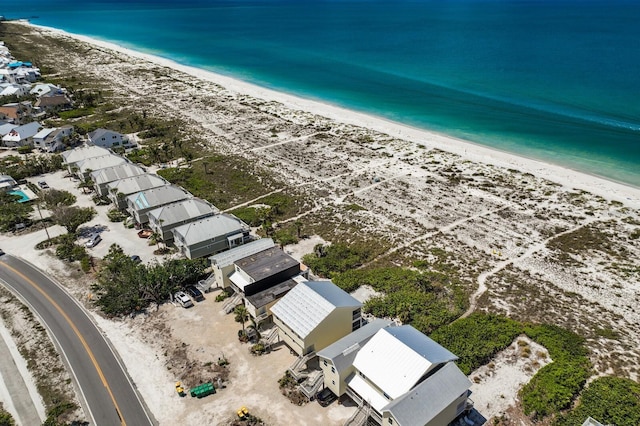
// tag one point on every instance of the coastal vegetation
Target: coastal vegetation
(124, 286)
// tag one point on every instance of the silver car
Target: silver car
(93, 241)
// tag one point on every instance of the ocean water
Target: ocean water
(553, 80)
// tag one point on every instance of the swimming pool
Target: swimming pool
(23, 197)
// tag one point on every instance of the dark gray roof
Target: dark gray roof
(421, 404)
(267, 296)
(343, 352)
(266, 263)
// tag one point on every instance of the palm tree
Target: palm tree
(242, 315)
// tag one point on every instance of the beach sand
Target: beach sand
(528, 239)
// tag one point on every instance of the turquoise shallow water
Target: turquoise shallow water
(554, 80)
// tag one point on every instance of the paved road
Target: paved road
(105, 387)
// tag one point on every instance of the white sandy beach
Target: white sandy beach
(495, 225)
(476, 153)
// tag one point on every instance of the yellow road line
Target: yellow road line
(75, 330)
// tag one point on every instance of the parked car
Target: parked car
(136, 258)
(42, 184)
(325, 397)
(93, 241)
(1, 252)
(184, 300)
(195, 293)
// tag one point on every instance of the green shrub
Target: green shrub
(477, 338)
(610, 400)
(329, 260)
(116, 215)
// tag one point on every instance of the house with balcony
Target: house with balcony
(402, 377)
(223, 264)
(101, 178)
(53, 102)
(119, 190)
(166, 218)
(211, 235)
(336, 360)
(315, 314)
(262, 278)
(109, 139)
(52, 139)
(141, 203)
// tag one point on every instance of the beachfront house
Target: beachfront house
(315, 314)
(211, 235)
(17, 112)
(101, 178)
(54, 102)
(336, 360)
(109, 139)
(119, 190)
(166, 218)
(402, 377)
(141, 203)
(44, 89)
(222, 264)
(21, 135)
(52, 139)
(72, 157)
(262, 278)
(85, 167)
(13, 89)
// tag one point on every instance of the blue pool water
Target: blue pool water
(554, 80)
(23, 197)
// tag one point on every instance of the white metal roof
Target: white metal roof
(367, 392)
(120, 171)
(175, 213)
(309, 303)
(43, 133)
(209, 228)
(239, 280)
(133, 184)
(397, 357)
(97, 163)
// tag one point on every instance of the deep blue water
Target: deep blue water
(554, 80)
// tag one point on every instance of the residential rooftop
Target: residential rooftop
(266, 263)
(183, 210)
(227, 258)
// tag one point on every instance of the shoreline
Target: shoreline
(567, 177)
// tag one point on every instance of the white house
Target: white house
(44, 89)
(408, 379)
(21, 135)
(51, 139)
(109, 139)
(222, 264)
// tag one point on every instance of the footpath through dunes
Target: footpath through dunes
(559, 254)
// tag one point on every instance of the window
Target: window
(325, 362)
(356, 325)
(386, 396)
(333, 382)
(390, 421)
(333, 370)
(356, 314)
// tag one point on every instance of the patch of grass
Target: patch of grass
(327, 261)
(76, 113)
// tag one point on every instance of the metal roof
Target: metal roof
(227, 258)
(133, 184)
(98, 133)
(114, 173)
(423, 403)
(266, 263)
(159, 196)
(591, 422)
(83, 152)
(343, 352)
(397, 357)
(310, 303)
(97, 163)
(210, 228)
(181, 211)
(43, 133)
